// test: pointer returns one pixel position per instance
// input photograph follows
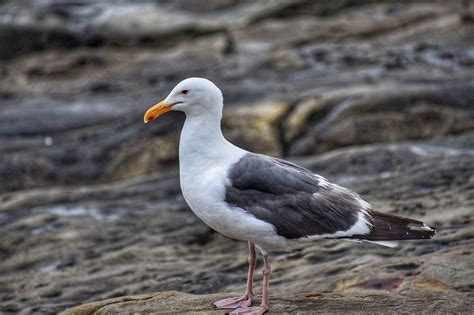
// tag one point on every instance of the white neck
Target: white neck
(202, 143)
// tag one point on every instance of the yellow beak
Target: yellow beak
(156, 110)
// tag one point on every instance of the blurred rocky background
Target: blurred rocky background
(375, 95)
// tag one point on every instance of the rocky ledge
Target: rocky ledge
(65, 246)
(314, 303)
(374, 95)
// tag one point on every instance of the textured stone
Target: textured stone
(255, 127)
(88, 243)
(320, 303)
(384, 115)
(375, 96)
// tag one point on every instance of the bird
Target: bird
(271, 203)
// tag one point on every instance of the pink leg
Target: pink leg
(264, 306)
(246, 299)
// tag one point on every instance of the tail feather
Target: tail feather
(388, 227)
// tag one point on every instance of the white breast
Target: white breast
(204, 161)
(203, 186)
(207, 201)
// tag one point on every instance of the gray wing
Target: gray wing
(296, 201)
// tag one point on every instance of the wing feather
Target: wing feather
(296, 201)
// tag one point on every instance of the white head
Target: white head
(193, 96)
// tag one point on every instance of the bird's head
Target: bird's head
(193, 96)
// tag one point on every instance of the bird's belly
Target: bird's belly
(207, 201)
(221, 221)
(214, 212)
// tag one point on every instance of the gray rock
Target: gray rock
(33, 25)
(308, 303)
(376, 97)
(385, 115)
(88, 243)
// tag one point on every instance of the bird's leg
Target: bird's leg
(252, 259)
(246, 299)
(267, 269)
(264, 306)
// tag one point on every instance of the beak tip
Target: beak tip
(156, 111)
(148, 119)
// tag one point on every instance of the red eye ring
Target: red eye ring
(184, 92)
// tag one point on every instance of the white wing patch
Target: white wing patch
(362, 226)
(364, 216)
(322, 182)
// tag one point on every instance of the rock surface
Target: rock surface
(320, 303)
(99, 241)
(376, 96)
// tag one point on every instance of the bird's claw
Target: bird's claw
(230, 303)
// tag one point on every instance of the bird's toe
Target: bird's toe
(258, 310)
(230, 303)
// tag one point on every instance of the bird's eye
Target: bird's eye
(184, 92)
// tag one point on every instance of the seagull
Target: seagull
(272, 204)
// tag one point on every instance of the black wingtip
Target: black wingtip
(422, 227)
(390, 227)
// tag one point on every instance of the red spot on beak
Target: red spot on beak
(151, 117)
